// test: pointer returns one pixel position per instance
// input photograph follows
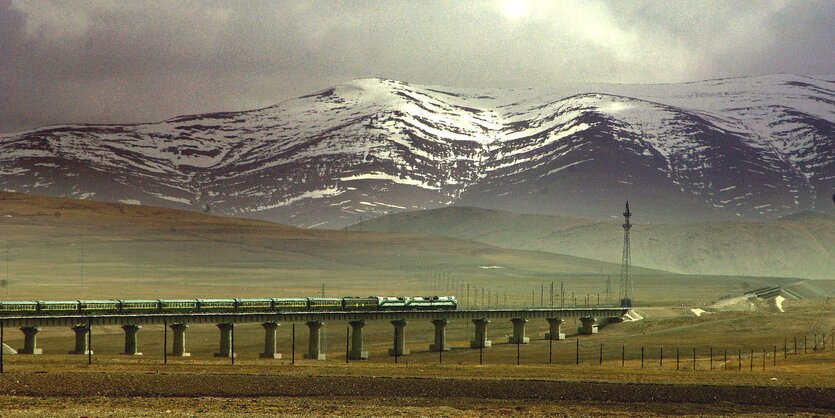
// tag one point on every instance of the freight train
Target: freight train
(151, 306)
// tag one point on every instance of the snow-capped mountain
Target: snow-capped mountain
(754, 147)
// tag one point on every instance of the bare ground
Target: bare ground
(150, 394)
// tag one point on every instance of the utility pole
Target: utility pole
(185, 266)
(562, 296)
(626, 289)
(552, 294)
(82, 265)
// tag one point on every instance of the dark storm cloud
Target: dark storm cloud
(103, 61)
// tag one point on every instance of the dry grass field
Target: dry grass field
(139, 252)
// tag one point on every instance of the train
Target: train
(152, 306)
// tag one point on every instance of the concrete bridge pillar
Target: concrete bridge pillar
(131, 346)
(440, 335)
(30, 341)
(554, 329)
(269, 341)
(589, 326)
(399, 338)
(356, 352)
(314, 350)
(179, 348)
(81, 332)
(519, 332)
(481, 340)
(225, 349)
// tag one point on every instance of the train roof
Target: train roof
(56, 302)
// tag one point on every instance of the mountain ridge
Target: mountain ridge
(751, 148)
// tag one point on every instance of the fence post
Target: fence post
(694, 358)
(347, 342)
(726, 360)
(711, 358)
(518, 350)
(623, 356)
(774, 356)
(577, 354)
(481, 354)
(293, 345)
(815, 342)
(752, 360)
(642, 357)
(739, 362)
(550, 347)
(165, 341)
(785, 348)
(601, 354)
(676, 358)
(395, 345)
(795, 345)
(661, 358)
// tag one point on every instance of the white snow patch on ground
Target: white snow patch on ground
(377, 175)
(632, 316)
(390, 206)
(778, 302)
(316, 194)
(130, 202)
(699, 311)
(490, 267)
(172, 198)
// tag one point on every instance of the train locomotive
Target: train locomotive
(151, 306)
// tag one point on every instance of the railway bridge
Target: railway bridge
(178, 322)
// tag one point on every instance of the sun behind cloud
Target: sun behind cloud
(516, 9)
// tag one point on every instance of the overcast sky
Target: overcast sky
(134, 61)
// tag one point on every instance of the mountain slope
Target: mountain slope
(754, 148)
(802, 245)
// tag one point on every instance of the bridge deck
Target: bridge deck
(260, 317)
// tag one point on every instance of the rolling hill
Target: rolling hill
(100, 249)
(800, 245)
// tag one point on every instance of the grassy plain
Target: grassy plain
(63, 249)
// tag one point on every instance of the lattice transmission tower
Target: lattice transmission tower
(626, 289)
